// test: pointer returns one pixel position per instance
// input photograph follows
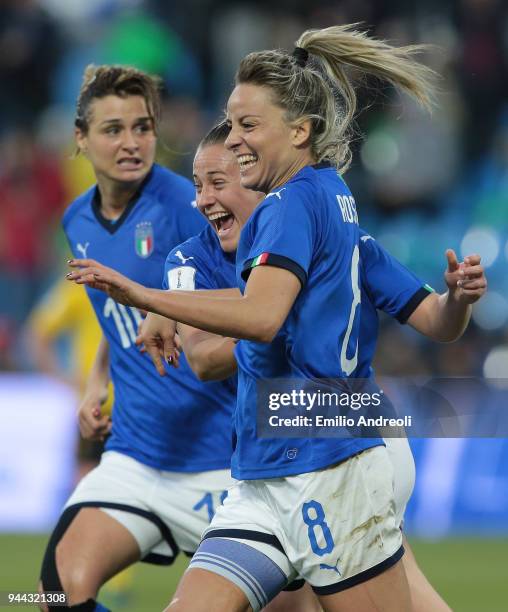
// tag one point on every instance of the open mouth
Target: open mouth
(222, 221)
(130, 163)
(247, 161)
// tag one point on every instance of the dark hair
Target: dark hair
(322, 91)
(122, 81)
(217, 135)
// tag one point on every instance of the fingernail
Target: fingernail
(69, 261)
(169, 359)
(68, 274)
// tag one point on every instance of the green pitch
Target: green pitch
(471, 574)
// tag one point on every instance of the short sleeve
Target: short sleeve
(282, 233)
(392, 287)
(186, 269)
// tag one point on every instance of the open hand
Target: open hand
(120, 288)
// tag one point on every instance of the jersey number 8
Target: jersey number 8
(313, 522)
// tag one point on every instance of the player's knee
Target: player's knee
(77, 577)
(62, 571)
(69, 573)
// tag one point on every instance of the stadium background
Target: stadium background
(421, 184)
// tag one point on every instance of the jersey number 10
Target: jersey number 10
(126, 321)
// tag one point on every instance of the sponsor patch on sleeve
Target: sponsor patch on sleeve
(182, 279)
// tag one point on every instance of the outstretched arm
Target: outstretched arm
(445, 317)
(257, 315)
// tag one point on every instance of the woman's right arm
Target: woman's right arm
(257, 315)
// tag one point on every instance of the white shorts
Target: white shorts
(404, 473)
(334, 528)
(164, 511)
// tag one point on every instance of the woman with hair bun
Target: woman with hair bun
(319, 508)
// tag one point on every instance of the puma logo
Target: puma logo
(334, 568)
(82, 249)
(181, 257)
(276, 193)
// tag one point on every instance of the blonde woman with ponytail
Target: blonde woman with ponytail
(319, 508)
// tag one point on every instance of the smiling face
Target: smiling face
(220, 195)
(120, 141)
(268, 148)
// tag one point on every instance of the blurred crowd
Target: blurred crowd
(422, 182)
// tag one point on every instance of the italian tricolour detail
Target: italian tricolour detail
(260, 260)
(143, 239)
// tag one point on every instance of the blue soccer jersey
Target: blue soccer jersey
(386, 285)
(200, 263)
(173, 422)
(309, 227)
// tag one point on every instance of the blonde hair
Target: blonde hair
(122, 81)
(323, 92)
